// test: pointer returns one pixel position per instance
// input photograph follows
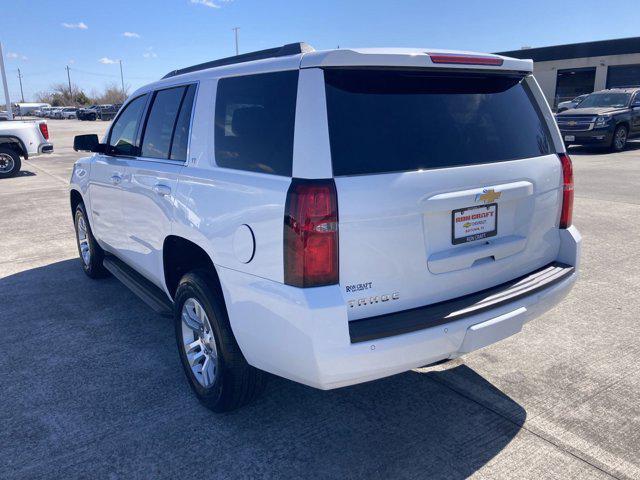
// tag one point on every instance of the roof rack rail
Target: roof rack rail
(283, 51)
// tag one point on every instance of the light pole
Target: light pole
(20, 80)
(235, 29)
(69, 79)
(6, 88)
(124, 95)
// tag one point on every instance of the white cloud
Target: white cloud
(149, 53)
(131, 35)
(107, 61)
(206, 3)
(16, 56)
(79, 25)
(71, 61)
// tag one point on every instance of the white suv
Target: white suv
(331, 217)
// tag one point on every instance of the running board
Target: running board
(143, 288)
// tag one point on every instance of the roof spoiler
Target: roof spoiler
(283, 51)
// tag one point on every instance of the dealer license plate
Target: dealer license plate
(474, 223)
(569, 138)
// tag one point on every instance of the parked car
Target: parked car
(562, 106)
(108, 112)
(4, 116)
(56, 112)
(296, 212)
(607, 118)
(21, 139)
(89, 113)
(69, 112)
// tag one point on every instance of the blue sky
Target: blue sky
(151, 38)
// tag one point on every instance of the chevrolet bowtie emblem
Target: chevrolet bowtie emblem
(489, 196)
(572, 123)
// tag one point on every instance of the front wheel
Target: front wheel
(619, 139)
(91, 255)
(10, 163)
(217, 371)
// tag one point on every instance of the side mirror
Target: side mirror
(88, 143)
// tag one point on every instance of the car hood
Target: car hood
(590, 111)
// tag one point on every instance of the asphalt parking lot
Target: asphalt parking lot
(91, 385)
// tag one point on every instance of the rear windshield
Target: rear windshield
(400, 120)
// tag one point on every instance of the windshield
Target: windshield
(597, 100)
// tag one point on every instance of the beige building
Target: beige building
(566, 71)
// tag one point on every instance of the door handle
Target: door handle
(116, 179)
(162, 190)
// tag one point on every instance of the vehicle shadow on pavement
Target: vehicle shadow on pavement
(92, 386)
(591, 150)
(22, 173)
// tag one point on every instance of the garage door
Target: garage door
(623, 76)
(573, 82)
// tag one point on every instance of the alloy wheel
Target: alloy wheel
(198, 342)
(83, 241)
(7, 164)
(621, 138)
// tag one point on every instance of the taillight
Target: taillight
(567, 191)
(465, 59)
(44, 130)
(311, 233)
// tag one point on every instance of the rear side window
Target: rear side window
(122, 139)
(394, 120)
(181, 134)
(165, 116)
(254, 122)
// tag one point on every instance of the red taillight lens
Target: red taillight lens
(311, 234)
(44, 129)
(465, 59)
(567, 191)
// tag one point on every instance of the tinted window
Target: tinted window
(386, 121)
(181, 134)
(254, 122)
(123, 132)
(160, 123)
(599, 100)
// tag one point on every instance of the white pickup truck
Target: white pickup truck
(332, 217)
(21, 139)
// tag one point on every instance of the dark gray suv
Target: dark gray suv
(608, 118)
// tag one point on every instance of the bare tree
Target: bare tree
(59, 95)
(112, 94)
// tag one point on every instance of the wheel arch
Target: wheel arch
(75, 199)
(624, 123)
(16, 143)
(180, 256)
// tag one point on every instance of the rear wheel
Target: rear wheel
(619, 140)
(10, 163)
(217, 371)
(91, 255)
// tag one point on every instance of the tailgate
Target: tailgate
(447, 184)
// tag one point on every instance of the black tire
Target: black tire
(619, 139)
(92, 266)
(10, 163)
(236, 383)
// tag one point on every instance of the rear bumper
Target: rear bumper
(598, 136)
(45, 148)
(304, 334)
